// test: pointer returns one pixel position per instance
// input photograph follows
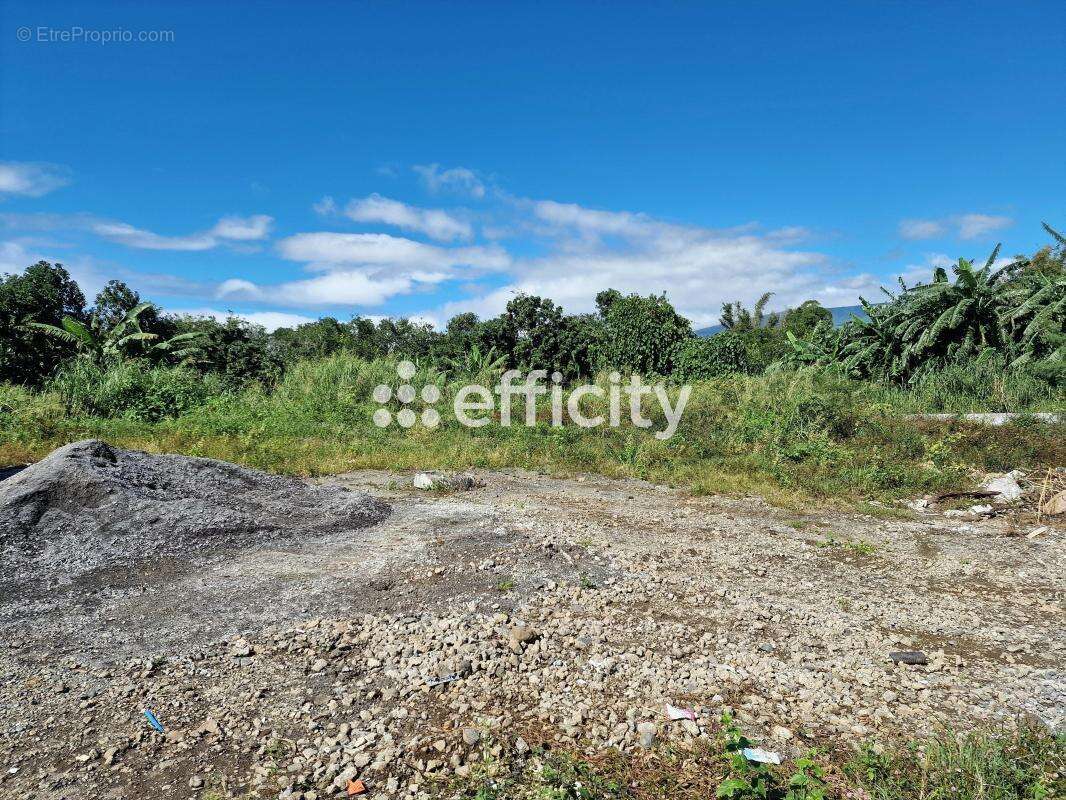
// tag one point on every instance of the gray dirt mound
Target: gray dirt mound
(89, 506)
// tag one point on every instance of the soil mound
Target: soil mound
(89, 506)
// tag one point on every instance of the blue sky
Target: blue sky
(291, 160)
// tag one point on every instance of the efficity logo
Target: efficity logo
(475, 406)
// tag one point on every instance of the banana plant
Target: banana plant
(476, 365)
(103, 345)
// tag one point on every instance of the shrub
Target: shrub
(722, 354)
(130, 389)
(642, 334)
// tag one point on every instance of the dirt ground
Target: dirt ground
(624, 596)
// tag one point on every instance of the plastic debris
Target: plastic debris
(155, 723)
(675, 713)
(761, 756)
(981, 509)
(440, 681)
(1006, 486)
(1037, 532)
(356, 788)
(913, 657)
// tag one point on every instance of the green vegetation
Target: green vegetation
(863, 548)
(1008, 317)
(786, 407)
(994, 764)
(782, 406)
(789, 436)
(1029, 763)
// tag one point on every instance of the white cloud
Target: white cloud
(31, 179)
(271, 320)
(340, 288)
(325, 207)
(921, 228)
(243, 229)
(973, 226)
(364, 269)
(423, 319)
(124, 233)
(433, 222)
(621, 223)
(230, 229)
(456, 179)
(965, 226)
(15, 257)
(698, 268)
(324, 248)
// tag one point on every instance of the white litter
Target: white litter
(1006, 486)
(422, 481)
(675, 713)
(760, 755)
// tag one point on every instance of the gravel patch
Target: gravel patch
(530, 610)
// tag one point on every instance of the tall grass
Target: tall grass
(1026, 764)
(981, 386)
(131, 389)
(788, 436)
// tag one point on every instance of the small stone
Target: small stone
(471, 736)
(648, 734)
(913, 657)
(690, 727)
(523, 634)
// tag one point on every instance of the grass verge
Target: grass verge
(1025, 763)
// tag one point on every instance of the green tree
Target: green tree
(725, 353)
(313, 340)
(404, 338)
(114, 302)
(475, 366)
(735, 317)
(236, 350)
(532, 330)
(951, 320)
(43, 293)
(642, 334)
(582, 342)
(802, 320)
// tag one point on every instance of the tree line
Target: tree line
(1014, 313)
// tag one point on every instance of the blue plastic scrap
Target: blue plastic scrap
(155, 723)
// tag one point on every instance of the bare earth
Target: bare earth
(526, 610)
